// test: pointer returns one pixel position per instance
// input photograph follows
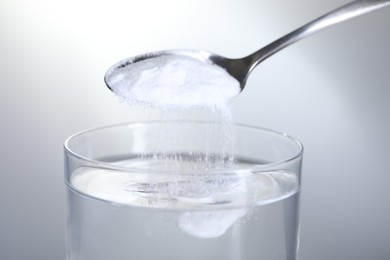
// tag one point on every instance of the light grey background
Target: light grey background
(331, 91)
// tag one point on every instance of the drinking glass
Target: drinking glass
(182, 190)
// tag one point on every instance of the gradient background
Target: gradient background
(331, 91)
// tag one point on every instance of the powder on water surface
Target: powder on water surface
(176, 80)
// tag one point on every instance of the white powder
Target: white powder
(173, 81)
(209, 224)
(184, 84)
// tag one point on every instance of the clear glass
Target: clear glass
(141, 191)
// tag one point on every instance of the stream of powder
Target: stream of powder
(177, 86)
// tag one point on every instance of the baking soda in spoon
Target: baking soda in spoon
(180, 81)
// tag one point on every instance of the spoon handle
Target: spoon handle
(339, 15)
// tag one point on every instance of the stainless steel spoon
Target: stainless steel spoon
(241, 68)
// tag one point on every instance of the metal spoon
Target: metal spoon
(241, 68)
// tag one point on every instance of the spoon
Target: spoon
(241, 68)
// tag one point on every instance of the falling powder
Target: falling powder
(185, 84)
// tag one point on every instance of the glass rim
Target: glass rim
(110, 166)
